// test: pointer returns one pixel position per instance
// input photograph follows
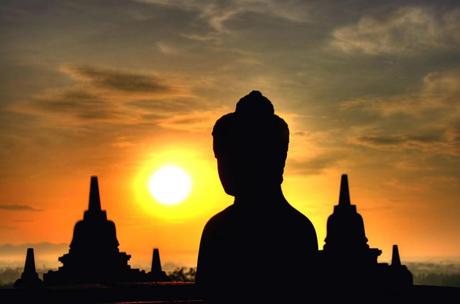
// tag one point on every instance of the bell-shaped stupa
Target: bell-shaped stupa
(94, 256)
(346, 261)
(346, 238)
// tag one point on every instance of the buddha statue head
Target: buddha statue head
(251, 146)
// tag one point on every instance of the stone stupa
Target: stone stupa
(29, 277)
(347, 262)
(346, 239)
(156, 273)
(94, 256)
(400, 275)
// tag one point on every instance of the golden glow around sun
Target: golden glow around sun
(205, 198)
(170, 185)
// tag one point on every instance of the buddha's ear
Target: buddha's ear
(227, 175)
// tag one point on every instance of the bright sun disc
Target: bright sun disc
(170, 185)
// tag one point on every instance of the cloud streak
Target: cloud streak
(404, 31)
(392, 140)
(78, 103)
(18, 207)
(118, 80)
(119, 98)
(218, 13)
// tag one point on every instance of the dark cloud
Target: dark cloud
(187, 120)
(217, 14)
(382, 140)
(421, 122)
(78, 103)
(390, 140)
(18, 207)
(120, 81)
(426, 138)
(138, 108)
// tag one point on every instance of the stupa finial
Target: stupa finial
(395, 259)
(156, 263)
(344, 197)
(94, 198)
(29, 266)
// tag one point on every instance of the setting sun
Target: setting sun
(206, 195)
(170, 185)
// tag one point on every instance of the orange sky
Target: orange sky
(117, 91)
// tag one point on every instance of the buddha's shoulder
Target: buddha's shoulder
(297, 217)
(222, 217)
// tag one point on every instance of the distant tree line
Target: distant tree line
(437, 274)
(438, 279)
(424, 274)
(9, 275)
(183, 274)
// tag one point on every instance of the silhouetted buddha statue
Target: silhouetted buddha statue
(260, 247)
(94, 255)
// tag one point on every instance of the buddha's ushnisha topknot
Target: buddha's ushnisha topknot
(255, 105)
